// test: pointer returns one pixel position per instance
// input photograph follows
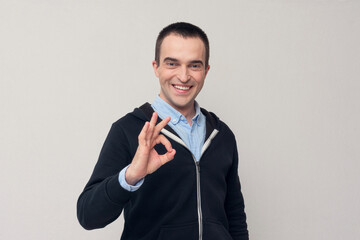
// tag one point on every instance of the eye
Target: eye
(170, 64)
(195, 66)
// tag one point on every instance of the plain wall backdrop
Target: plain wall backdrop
(284, 76)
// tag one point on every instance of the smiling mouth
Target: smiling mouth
(184, 88)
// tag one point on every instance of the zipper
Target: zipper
(197, 166)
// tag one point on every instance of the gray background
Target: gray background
(284, 76)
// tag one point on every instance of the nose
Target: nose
(183, 74)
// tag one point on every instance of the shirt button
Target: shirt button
(174, 120)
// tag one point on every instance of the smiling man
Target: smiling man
(171, 166)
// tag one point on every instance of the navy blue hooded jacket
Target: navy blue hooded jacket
(183, 199)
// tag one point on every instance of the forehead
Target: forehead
(176, 46)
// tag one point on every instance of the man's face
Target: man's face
(181, 70)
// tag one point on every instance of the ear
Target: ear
(207, 69)
(156, 68)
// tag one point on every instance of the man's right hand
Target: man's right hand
(146, 159)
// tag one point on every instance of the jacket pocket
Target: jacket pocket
(179, 232)
(214, 230)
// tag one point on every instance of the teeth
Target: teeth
(181, 87)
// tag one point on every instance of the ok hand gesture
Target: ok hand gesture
(146, 159)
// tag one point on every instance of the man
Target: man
(175, 177)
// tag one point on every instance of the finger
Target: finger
(161, 125)
(164, 141)
(151, 127)
(143, 132)
(153, 118)
(171, 155)
(167, 156)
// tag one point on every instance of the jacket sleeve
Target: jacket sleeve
(234, 203)
(103, 199)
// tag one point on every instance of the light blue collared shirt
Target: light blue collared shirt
(193, 136)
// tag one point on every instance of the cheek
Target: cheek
(200, 80)
(165, 76)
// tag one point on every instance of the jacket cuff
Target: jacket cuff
(115, 192)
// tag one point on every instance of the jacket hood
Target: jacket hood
(145, 111)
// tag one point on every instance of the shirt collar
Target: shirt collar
(198, 115)
(164, 109)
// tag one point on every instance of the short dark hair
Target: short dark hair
(184, 30)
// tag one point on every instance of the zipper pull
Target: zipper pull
(198, 166)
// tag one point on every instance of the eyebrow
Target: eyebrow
(197, 61)
(175, 60)
(170, 59)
